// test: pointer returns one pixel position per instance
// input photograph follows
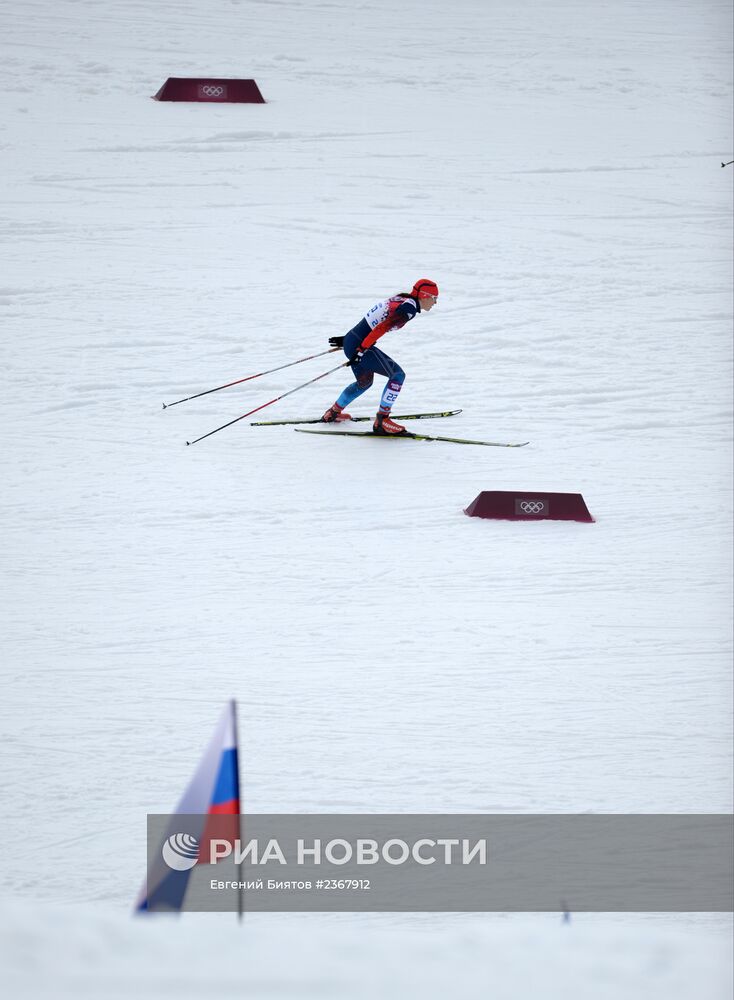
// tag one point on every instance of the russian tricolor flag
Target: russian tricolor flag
(214, 790)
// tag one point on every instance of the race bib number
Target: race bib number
(377, 314)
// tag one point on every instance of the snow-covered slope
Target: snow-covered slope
(555, 168)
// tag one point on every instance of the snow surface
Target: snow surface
(554, 166)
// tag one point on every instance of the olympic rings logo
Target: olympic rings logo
(532, 506)
(212, 90)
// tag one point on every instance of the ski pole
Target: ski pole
(727, 164)
(270, 402)
(250, 377)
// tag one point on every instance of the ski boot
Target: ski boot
(384, 425)
(335, 413)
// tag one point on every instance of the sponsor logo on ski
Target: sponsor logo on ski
(180, 851)
(531, 507)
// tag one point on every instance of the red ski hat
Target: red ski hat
(425, 287)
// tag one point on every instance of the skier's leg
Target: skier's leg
(352, 392)
(395, 379)
(363, 373)
(391, 391)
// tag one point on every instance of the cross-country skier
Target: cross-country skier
(366, 360)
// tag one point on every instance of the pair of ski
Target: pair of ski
(395, 437)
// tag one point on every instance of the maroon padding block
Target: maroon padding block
(210, 90)
(509, 505)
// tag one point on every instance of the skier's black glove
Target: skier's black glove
(336, 341)
(356, 357)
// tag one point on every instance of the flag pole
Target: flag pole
(240, 890)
